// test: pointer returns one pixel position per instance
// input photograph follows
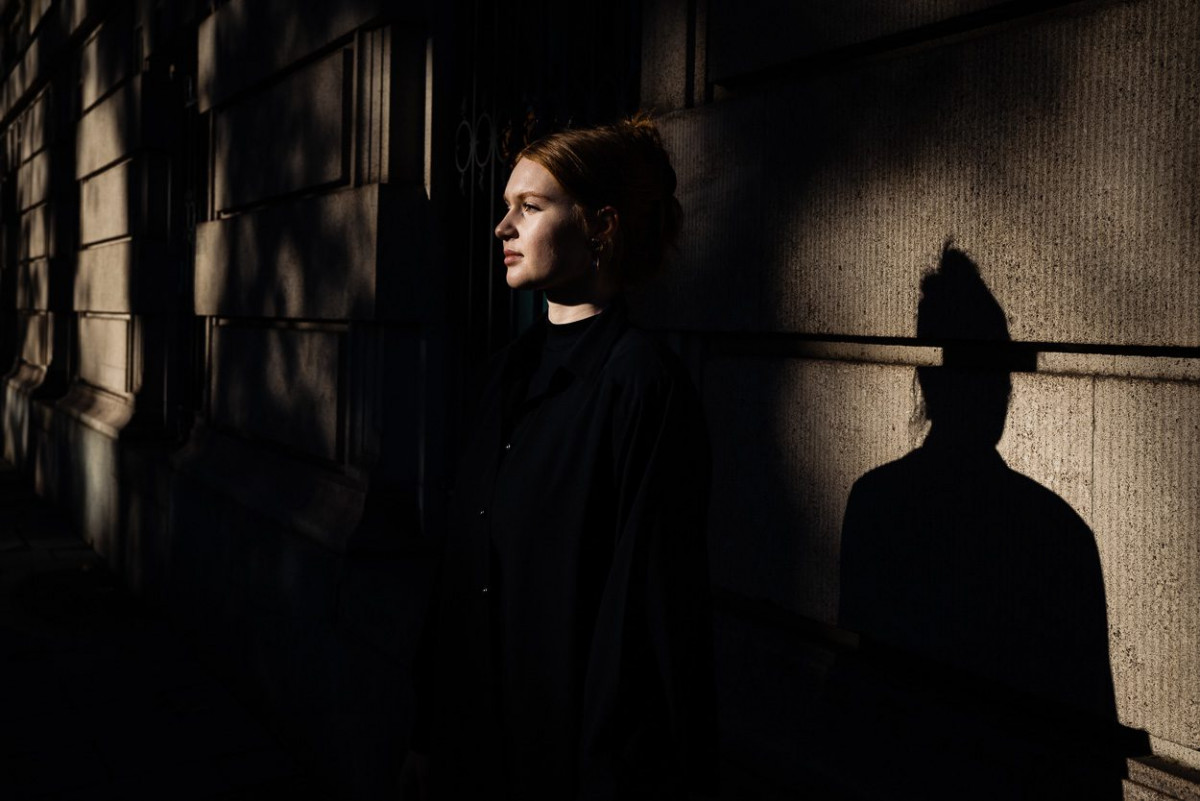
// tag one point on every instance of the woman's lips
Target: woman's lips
(511, 257)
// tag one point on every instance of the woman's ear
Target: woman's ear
(606, 223)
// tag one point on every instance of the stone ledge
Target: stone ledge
(93, 408)
(1017, 356)
(1165, 777)
(1165, 368)
(25, 377)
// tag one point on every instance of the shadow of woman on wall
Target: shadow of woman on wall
(983, 669)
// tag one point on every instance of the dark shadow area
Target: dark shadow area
(977, 594)
(106, 701)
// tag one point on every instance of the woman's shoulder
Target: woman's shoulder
(640, 359)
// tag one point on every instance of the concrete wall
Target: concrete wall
(825, 154)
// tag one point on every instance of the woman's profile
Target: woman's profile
(568, 649)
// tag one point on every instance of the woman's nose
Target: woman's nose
(504, 229)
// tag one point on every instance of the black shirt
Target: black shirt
(558, 341)
(569, 653)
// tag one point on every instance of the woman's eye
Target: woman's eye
(528, 207)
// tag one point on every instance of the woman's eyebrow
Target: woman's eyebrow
(517, 198)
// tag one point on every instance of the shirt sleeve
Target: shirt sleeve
(649, 718)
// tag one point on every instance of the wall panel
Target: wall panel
(246, 41)
(36, 232)
(34, 331)
(108, 203)
(110, 130)
(1057, 152)
(33, 180)
(103, 279)
(1048, 436)
(107, 58)
(308, 113)
(33, 126)
(1148, 524)
(104, 352)
(281, 384)
(33, 284)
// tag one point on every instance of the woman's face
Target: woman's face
(545, 245)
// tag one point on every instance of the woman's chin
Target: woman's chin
(519, 279)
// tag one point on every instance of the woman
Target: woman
(568, 653)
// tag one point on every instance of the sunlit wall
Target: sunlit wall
(827, 152)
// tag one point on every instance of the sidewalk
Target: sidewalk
(101, 700)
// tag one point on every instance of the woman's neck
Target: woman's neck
(569, 304)
(588, 294)
(563, 313)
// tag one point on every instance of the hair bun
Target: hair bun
(644, 134)
(642, 126)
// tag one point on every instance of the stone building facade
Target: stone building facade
(247, 276)
(224, 327)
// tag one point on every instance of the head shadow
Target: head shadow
(965, 400)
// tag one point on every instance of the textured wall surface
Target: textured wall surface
(1059, 153)
(845, 144)
(798, 30)
(789, 438)
(308, 152)
(1147, 522)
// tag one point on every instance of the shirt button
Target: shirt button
(482, 512)
(508, 446)
(485, 589)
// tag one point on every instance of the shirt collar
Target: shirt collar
(589, 354)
